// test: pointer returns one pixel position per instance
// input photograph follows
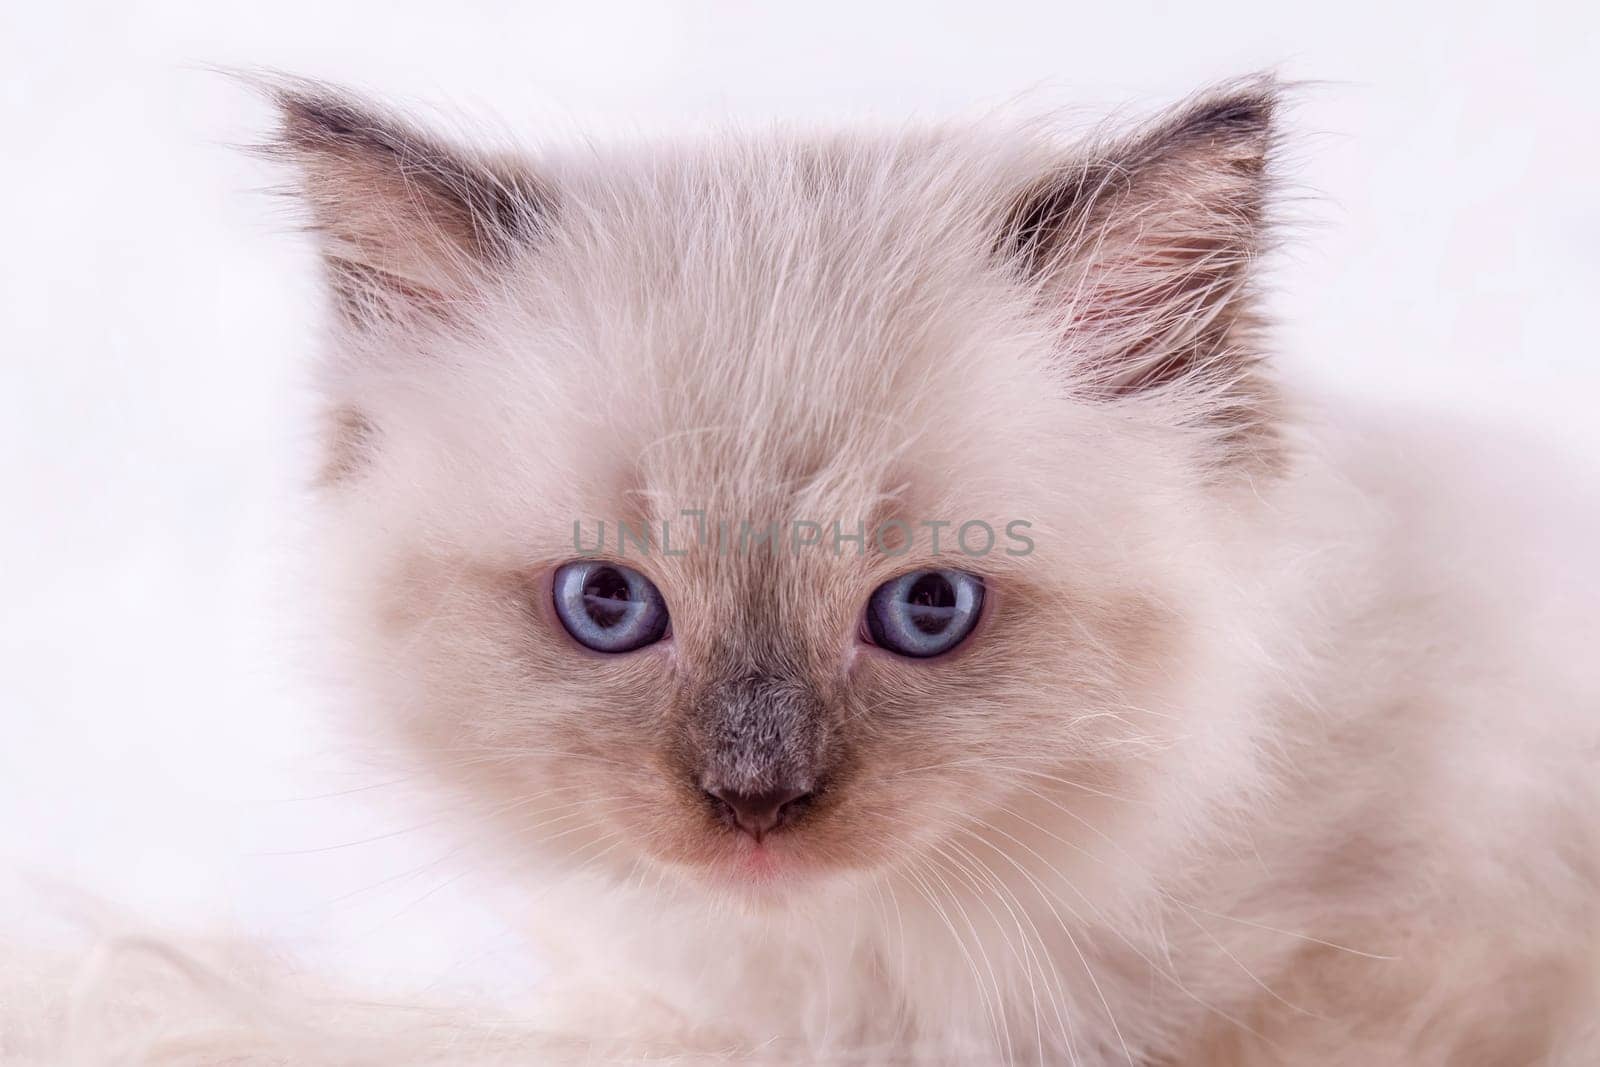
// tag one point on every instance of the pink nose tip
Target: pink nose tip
(758, 813)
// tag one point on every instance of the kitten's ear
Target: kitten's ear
(1143, 248)
(405, 222)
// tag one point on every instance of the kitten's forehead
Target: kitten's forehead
(777, 334)
(791, 325)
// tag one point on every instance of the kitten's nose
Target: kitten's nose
(758, 813)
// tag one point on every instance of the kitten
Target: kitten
(656, 484)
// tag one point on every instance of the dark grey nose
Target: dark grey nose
(759, 813)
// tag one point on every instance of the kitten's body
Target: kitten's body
(1280, 748)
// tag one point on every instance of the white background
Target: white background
(164, 745)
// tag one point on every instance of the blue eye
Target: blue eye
(925, 613)
(609, 607)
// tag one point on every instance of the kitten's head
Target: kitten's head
(783, 507)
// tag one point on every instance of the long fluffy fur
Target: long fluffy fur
(1280, 749)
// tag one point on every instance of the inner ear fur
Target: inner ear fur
(404, 221)
(1142, 250)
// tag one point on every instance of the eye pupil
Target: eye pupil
(933, 590)
(606, 583)
(605, 596)
(932, 600)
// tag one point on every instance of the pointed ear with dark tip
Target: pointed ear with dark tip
(405, 222)
(1142, 250)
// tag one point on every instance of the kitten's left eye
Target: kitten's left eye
(609, 607)
(925, 613)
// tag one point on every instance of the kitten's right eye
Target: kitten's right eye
(609, 607)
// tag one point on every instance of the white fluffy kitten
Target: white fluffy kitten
(1267, 747)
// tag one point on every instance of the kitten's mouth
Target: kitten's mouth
(756, 863)
(746, 865)
(754, 870)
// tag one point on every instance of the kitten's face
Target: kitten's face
(825, 340)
